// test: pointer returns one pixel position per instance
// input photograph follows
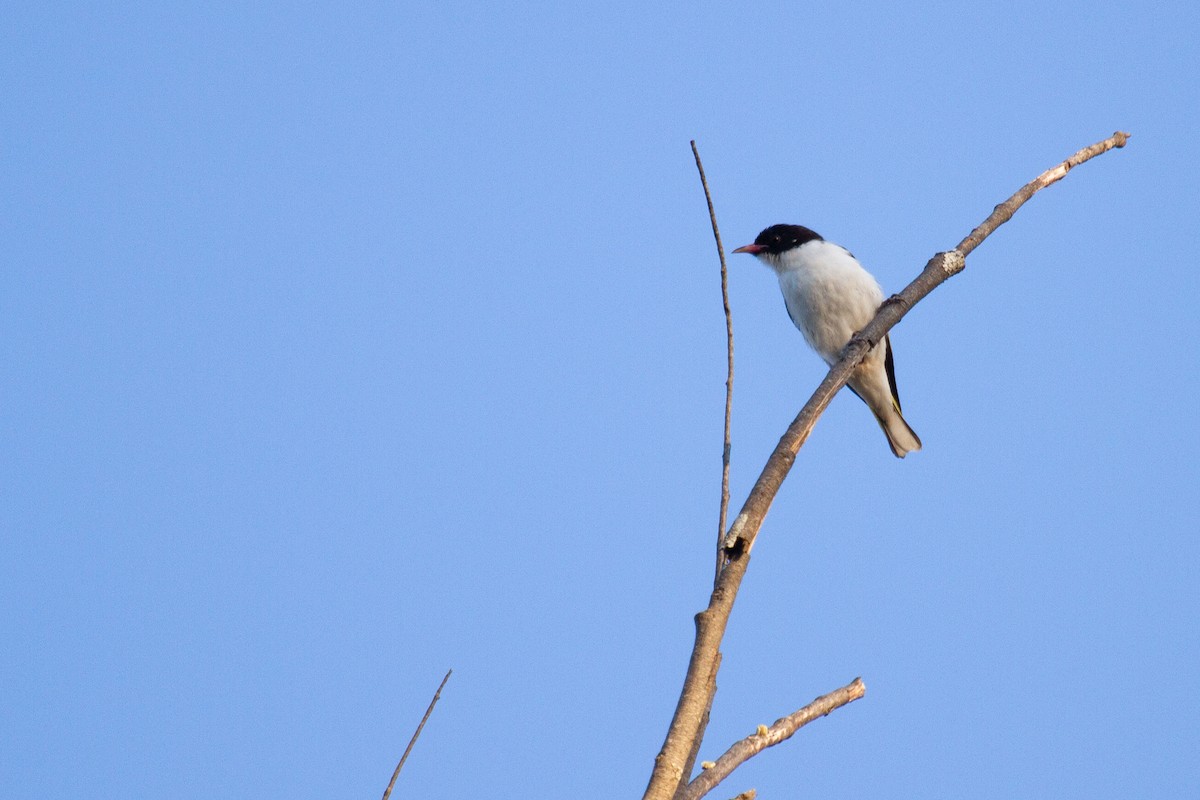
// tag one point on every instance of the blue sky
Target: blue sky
(346, 343)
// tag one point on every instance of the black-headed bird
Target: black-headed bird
(830, 297)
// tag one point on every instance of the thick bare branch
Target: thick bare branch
(685, 726)
(388, 791)
(711, 623)
(782, 730)
(690, 765)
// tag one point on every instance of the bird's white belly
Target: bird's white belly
(829, 301)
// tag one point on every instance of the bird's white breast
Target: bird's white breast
(828, 294)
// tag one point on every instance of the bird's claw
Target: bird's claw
(855, 338)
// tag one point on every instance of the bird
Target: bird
(830, 297)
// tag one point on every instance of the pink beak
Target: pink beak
(752, 249)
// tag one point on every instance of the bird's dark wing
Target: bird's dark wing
(890, 366)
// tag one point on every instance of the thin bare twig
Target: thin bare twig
(782, 730)
(388, 791)
(690, 762)
(711, 623)
(725, 453)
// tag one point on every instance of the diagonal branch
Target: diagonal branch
(782, 730)
(711, 623)
(388, 791)
(939, 269)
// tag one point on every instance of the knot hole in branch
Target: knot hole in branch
(734, 547)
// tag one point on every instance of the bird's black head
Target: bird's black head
(780, 238)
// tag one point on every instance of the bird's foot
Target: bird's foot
(853, 342)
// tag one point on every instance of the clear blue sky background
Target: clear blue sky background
(345, 343)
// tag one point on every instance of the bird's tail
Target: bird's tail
(901, 437)
(875, 385)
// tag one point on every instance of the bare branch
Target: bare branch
(939, 269)
(765, 737)
(749, 794)
(711, 691)
(388, 791)
(725, 453)
(711, 623)
(1003, 212)
(690, 765)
